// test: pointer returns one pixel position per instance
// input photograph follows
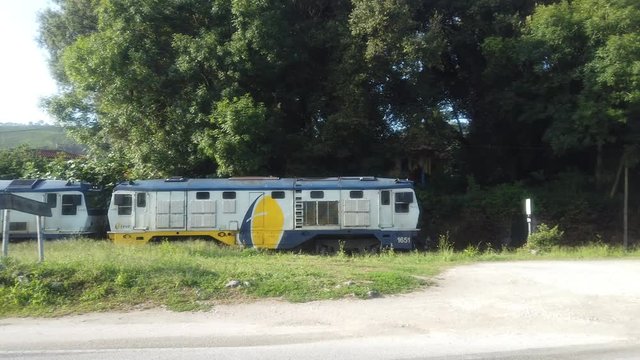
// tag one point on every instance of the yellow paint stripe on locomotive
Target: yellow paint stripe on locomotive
(267, 223)
(131, 238)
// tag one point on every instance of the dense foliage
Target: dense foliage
(493, 91)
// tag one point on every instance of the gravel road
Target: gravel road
(541, 307)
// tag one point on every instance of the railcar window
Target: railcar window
(70, 204)
(203, 195)
(228, 195)
(385, 197)
(277, 194)
(52, 200)
(141, 200)
(403, 199)
(317, 194)
(356, 194)
(123, 201)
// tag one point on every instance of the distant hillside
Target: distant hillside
(37, 137)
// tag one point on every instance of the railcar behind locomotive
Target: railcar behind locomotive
(359, 213)
(77, 209)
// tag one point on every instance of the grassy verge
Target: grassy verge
(86, 275)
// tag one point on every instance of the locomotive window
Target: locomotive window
(17, 226)
(385, 197)
(229, 195)
(203, 195)
(277, 194)
(141, 199)
(317, 194)
(70, 204)
(52, 200)
(123, 201)
(356, 194)
(403, 199)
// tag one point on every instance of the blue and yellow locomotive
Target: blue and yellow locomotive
(356, 213)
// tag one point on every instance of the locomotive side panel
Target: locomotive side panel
(269, 215)
(359, 209)
(142, 216)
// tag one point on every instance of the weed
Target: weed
(445, 246)
(471, 251)
(387, 251)
(545, 238)
(341, 252)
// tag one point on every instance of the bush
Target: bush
(480, 217)
(545, 238)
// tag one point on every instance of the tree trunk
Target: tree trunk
(615, 183)
(598, 173)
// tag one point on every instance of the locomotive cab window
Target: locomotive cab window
(403, 199)
(52, 200)
(277, 194)
(70, 204)
(228, 195)
(356, 194)
(123, 201)
(141, 200)
(203, 195)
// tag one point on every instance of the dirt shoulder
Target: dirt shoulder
(515, 304)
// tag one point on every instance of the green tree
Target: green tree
(19, 163)
(243, 137)
(571, 73)
(428, 67)
(123, 92)
(147, 77)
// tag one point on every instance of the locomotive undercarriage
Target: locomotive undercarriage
(351, 245)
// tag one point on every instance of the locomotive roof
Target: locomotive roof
(40, 185)
(273, 183)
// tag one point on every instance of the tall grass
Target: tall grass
(86, 275)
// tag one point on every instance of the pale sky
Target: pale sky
(24, 74)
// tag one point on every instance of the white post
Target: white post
(40, 238)
(625, 210)
(5, 233)
(527, 210)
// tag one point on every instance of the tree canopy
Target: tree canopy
(319, 87)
